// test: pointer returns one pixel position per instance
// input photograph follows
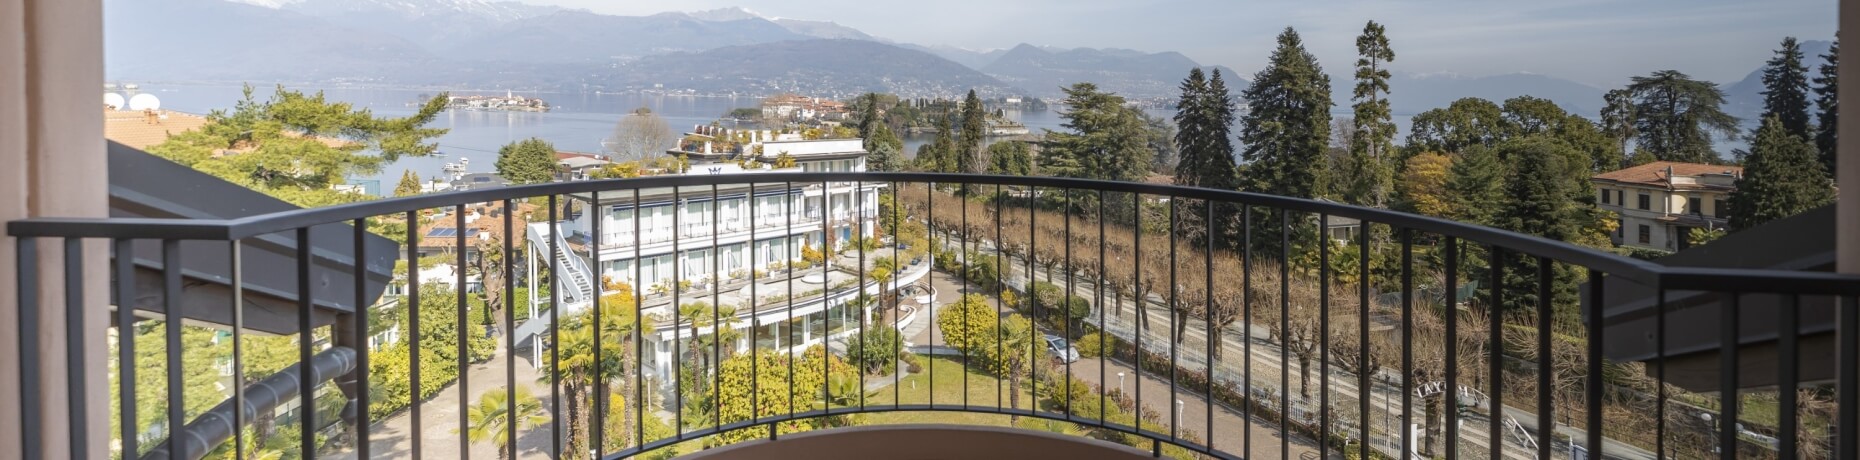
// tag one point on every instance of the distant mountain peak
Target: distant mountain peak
(497, 11)
(734, 13)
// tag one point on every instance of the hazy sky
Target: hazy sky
(1598, 42)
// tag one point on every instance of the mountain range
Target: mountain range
(732, 50)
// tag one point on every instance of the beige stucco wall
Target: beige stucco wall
(51, 164)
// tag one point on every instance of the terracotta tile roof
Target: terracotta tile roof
(485, 223)
(1655, 173)
(139, 131)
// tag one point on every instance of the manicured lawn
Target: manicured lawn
(981, 390)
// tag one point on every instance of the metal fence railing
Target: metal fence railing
(1184, 321)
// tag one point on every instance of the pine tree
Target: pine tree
(1370, 173)
(1288, 126)
(940, 154)
(1475, 185)
(1676, 116)
(969, 148)
(1827, 123)
(529, 161)
(1618, 122)
(887, 150)
(409, 184)
(1785, 88)
(1286, 133)
(1200, 136)
(1537, 201)
(1104, 139)
(1781, 178)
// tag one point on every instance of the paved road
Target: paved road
(439, 416)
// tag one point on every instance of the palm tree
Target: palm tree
(488, 419)
(575, 372)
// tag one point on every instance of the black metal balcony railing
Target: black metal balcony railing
(1524, 369)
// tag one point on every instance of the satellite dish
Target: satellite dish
(115, 101)
(144, 101)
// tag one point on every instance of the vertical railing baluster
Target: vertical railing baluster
(639, 330)
(1495, 428)
(1211, 332)
(1000, 282)
(171, 327)
(125, 267)
(715, 363)
(897, 325)
(1364, 391)
(1104, 390)
(510, 325)
(1593, 400)
(306, 382)
(75, 337)
(678, 349)
(413, 329)
(597, 411)
(930, 279)
(755, 319)
(1452, 387)
(962, 257)
(1729, 341)
(826, 292)
(555, 330)
(464, 335)
(362, 310)
(1142, 301)
(1546, 421)
(1407, 340)
(865, 303)
(1285, 322)
(1066, 337)
(1246, 331)
(31, 395)
(1788, 336)
(1175, 292)
(789, 247)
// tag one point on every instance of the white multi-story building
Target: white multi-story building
(1659, 202)
(734, 245)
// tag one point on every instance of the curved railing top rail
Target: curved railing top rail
(1752, 280)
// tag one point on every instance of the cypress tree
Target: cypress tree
(1781, 178)
(1676, 116)
(1827, 123)
(1785, 88)
(969, 150)
(1369, 174)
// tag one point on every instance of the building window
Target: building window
(1620, 228)
(1695, 206)
(1718, 208)
(1646, 201)
(1605, 194)
(1646, 234)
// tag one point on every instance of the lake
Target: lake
(578, 121)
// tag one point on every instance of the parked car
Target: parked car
(1062, 351)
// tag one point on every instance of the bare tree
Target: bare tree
(640, 135)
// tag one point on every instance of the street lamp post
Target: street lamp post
(1120, 383)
